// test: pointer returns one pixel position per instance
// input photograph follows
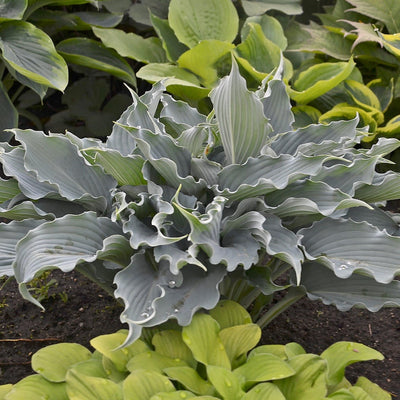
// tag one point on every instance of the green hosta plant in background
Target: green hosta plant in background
(195, 40)
(214, 357)
(29, 58)
(179, 209)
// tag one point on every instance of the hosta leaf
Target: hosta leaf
(271, 27)
(9, 114)
(202, 337)
(348, 178)
(308, 381)
(62, 244)
(357, 290)
(92, 54)
(170, 74)
(264, 367)
(35, 4)
(362, 95)
(31, 53)
(372, 389)
(179, 81)
(179, 116)
(131, 45)
(201, 59)
(8, 189)
(12, 9)
(100, 19)
(237, 247)
(11, 233)
(276, 103)
(146, 282)
(80, 386)
(305, 115)
(26, 210)
(262, 175)
(239, 113)
(383, 90)
(34, 387)
(64, 168)
(194, 21)
(172, 46)
(190, 379)
(4, 389)
(177, 395)
(50, 207)
(92, 367)
(263, 54)
(184, 300)
(346, 247)
(266, 391)
(160, 295)
(127, 170)
(376, 217)
(318, 39)
(344, 111)
(239, 339)
(176, 257)
(152, 361)
(116, 249)
(258, 7)
(300, 139)
(308, 197)
(53, 362)
(386, 12)
(391, 43)
(319, 79)
(281, 243)
(108, 345)
(141, 113)
(275, 349)
(225, 382)
(13, 165)
(384, 187)
(143, 235)
(170, 160)
(140, 12)
(141, 385)
(170, 343)
(229, 313)
(341, 354)
(391, 129)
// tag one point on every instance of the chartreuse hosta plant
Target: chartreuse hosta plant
(29, 58)
(367, 31)
(214, 357)
(179, 209)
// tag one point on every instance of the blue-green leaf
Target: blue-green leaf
(31, 53)
(243, 127)
(347, 247)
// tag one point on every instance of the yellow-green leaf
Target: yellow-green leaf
(319, 79)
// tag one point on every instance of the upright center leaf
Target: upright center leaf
(243, 127)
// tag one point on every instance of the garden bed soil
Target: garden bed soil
(88, 312)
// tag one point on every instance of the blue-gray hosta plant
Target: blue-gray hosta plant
(178, 209)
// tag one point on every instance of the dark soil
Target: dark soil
(88, 312)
